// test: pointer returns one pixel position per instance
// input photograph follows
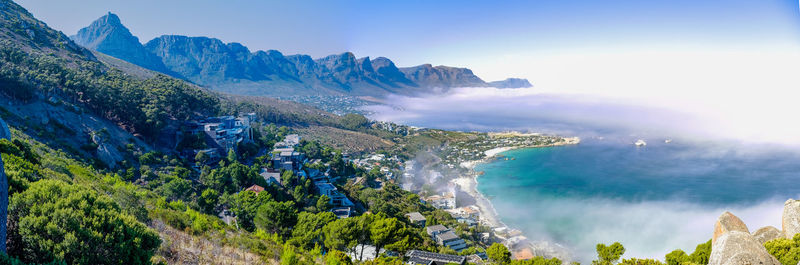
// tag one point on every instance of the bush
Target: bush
(53, 220)
(787, 251)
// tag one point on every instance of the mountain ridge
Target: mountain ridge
(233, 68)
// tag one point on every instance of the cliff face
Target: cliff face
(441, 76)
(107, 35)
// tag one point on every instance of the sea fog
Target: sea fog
(711, 166)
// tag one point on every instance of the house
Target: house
(451, 240)
(225, 132)
(469, 212)
(289, 141)
(255, 188)
(416, 218)
(342, 212)
(418, 257)
(445, 201)
(436, 229)
(271, 176)
(336, 197)
(286, 158)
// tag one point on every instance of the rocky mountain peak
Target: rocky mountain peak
(107, 35)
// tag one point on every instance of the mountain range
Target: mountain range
(233, 68)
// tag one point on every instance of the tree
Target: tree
(208, 200)
(635, 261)
(384, 231)
(701, 253)
(335, 257)
(498, 253)
(608, 254)
(677, 257)
(245, 206)
(323, 203)
(289, 256)
(276, 217)
(787, 251)
(201, 158)
(341, 234)
(53, 220)
(308, 231)
(231, 155)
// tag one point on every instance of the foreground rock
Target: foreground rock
(791, 218)
(767, 233)
(728, 222)
(734, 245)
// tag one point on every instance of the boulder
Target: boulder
(767, 233)
(739, 248)
(728, 222)
(106, 152)
(791, 218)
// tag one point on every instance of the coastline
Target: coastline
(488, 214)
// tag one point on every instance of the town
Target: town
(463, 237)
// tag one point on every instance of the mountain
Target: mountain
(233, 68)
(442, 77)
(511, 83)
(107, 35)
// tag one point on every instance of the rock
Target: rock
(511, 83)
(791, 218)
(728, 222)
(767, 233)
(739, 248)
(105, 151)
(4, 133)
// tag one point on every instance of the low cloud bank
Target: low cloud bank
(646, 228)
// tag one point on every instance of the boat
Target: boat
(667, 141)
(640, 142)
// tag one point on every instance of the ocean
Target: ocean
(652, 199)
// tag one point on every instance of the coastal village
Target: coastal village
(222, 134)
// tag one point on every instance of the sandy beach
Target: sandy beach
(488, 214)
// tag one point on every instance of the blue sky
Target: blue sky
(482, 35)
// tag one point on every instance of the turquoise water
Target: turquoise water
(652, 199)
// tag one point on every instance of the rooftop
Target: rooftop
(447, 236)
(424, 257)
(255, 188)
(415, 216)
(435, 228)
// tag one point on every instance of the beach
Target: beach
(513, 239)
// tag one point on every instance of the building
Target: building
(255, 188)
(445, 201)
(416, 218)
(289, 141)
(225, 132)
(271, 176)
(418, 257)
(435, 230)
(451, 240)
(342, 212)
(469, 212)
(336, 197)
(287, 158)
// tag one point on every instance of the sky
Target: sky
(496, 39)
(736, 62)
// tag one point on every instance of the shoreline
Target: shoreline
(488, 214)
